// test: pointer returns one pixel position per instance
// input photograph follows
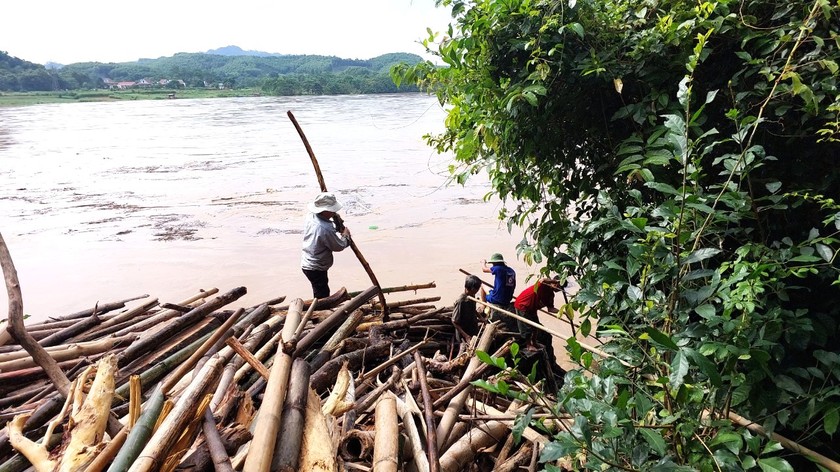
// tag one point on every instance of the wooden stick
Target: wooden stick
(401, 288)
(261, 450)
(428, 412)
(550, 331)
(17, 328)
(815, 456)
(393, 360)
(385, 444)
(249, 358)
(338, 221)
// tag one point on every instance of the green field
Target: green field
(12, 99)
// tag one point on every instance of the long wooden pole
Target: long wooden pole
(338, 221)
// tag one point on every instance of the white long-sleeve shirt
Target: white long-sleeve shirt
(320, 240)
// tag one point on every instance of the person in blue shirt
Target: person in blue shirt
(504, 284)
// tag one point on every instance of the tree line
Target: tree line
(274, 75)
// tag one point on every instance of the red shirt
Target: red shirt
(535, 297)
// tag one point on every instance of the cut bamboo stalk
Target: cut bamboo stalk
(450, 416)
(401, 288)
(357, 445)
(70, 331)
(130, 315)
(268, 420)
(287, 449)
(221, 332)
(347, 328)
(513, 463)
(261, 354)
(421, 462)
(215, 446)
(428, 413)
(463, 451)
(146, 344)
(385, 447)
(154, 453)
(305, 319)
(756, 428)
(65, 353)
(337, 317)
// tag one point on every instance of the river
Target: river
(105, 201)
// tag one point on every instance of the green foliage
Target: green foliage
(684, 154)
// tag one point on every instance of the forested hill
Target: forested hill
(278, 74)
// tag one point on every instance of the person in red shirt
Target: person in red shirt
(539, 295)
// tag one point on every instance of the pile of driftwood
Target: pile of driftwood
(308, 385)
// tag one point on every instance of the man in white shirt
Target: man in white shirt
(320, 240)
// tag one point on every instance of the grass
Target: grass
(19, 99)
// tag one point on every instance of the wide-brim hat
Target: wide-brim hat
(496, 257)
(325, 201)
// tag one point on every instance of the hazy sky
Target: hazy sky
(86, 30)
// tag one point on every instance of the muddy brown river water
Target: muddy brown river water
(106, 201)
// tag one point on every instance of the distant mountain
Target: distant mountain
(237, 51)
(53, 65)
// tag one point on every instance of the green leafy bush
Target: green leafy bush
(685, 155)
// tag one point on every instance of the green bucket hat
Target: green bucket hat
(496, 257)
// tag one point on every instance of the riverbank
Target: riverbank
(19, 99)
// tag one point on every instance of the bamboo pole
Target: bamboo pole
(347, 328)
(268, 419)
(338, 316)
(65, 353)
(393, 360)
(421, 462)
(385, 444)
(428, 412)
(756, 428)
(287, 449)
(450, 416)
(154, 453)
(221, 460)
(146, 344)
(463, 451)
(357, 445)
(338, 221)
(401, 288)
